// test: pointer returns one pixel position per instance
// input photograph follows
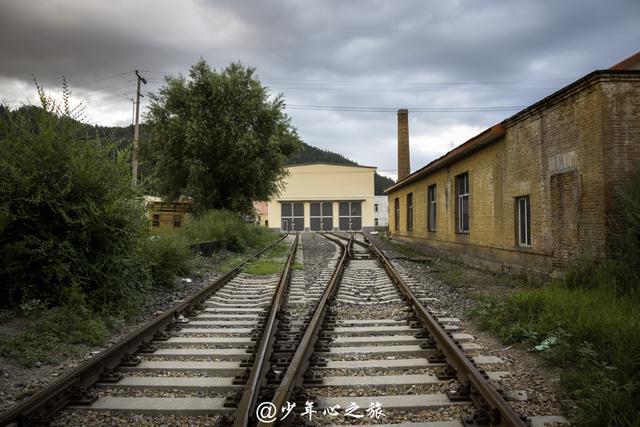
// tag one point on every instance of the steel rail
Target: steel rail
(68, 388)
(300, 360)
(247, 406)
(483, 394)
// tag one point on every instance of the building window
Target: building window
(375, 222)
(462, 203)
(155, 222)
(177, 220)
(431, 208)
(350, 216)
(396, 213)
(410, 212)
(292, 216)
(375, 207)
(321, 216)
(524, 220)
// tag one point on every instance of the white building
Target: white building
(381, 211)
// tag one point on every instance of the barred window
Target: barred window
(431, 208)
(524, 220)
(396, 213)
(410, 212)
(462, 205)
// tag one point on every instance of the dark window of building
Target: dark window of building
(375, 207)
(396, 214)
(292, 216)
(410, 212)
(321, 216)
(156, 220)
(462, 203)
(524, 220)
(432, 208)
(375, 222)
(177, 220)
(350, 216)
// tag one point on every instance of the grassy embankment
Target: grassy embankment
(38, 334)
(591, 333)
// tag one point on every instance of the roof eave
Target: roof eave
(475, 143)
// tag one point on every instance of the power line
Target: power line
(396, 83)
(100, 79)
(418, 83)
(394, 109)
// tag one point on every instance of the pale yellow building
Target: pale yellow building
(324, 197)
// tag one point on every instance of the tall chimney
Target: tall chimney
(404, 163)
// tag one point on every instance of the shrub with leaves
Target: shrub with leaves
(166, 257)
(68, 214)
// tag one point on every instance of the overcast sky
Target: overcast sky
(461, 66)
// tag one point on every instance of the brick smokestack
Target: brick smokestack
(404, 163)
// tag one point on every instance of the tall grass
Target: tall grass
(169, 255)
(227, 228)
(597, 335)
(166, 257)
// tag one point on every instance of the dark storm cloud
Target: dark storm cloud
(335, 53)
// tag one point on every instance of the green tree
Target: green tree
(219, 138)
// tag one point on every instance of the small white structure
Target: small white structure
(381, 211)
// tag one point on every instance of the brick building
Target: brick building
(534, 192)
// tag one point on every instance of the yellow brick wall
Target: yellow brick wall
(568, 138)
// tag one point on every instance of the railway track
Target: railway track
(353, 344)
(373, 353)
(189, 361)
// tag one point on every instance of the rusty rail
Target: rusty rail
(300, 360)
(73, 387)
(485, 397)
(247, 406)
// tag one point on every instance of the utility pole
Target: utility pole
(136, 130)
(133, 112)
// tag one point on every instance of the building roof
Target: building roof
(471, 145)
(332, 164)
(630, 65)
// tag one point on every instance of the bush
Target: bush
(166, 257)
(68, 214)
(229, 229)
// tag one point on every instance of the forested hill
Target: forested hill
(310, 154)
